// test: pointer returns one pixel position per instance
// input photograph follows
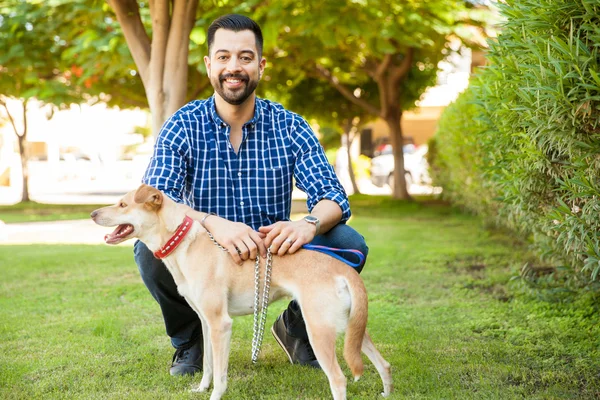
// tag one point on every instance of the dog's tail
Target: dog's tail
(357, 325)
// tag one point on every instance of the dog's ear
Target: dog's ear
(151, 198)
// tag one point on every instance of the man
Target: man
(234, 156)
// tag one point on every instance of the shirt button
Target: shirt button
(239, 174)
(241, 203)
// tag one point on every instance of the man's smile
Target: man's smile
(233, 82)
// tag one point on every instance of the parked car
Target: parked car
(415, 166)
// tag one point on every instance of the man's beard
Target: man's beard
(236, 96)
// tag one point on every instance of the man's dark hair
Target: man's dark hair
(236, 23)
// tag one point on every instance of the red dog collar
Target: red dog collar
(176, 239)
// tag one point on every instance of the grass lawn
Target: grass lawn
(76, 322)
(36, 212)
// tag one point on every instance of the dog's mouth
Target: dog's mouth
(121, 233)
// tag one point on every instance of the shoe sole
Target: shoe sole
(188, 372)
(282, 345)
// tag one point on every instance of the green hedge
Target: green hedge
(457, 160)
(522, 145)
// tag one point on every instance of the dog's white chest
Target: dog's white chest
(241, 303)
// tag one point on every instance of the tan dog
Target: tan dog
(331, 295)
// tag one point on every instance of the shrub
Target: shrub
(457, 159)
(530, 133)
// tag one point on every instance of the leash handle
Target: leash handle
(335, 253)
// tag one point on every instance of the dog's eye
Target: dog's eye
(122, 205)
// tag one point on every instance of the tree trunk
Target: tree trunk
(388, 77)
(157, 111)
(24, 168)
(23, 151)
(162, 61)
(355, 188)
(350, 129)
(400, 190)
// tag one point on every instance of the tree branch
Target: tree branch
(325, 73)
(398, 73)
(10, 117)
(383, 96)
(24, 134)
(128, 15)
(381, 68)
(378, 73)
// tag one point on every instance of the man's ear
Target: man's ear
(261, 67)
(151, 198)
(207, 64)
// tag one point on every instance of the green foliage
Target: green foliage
(533, 113)
(98, 55)
(30, 57)
(65, 52)
(372, 73)
(458, 161)
(338, 35)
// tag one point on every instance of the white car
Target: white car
(415, 166)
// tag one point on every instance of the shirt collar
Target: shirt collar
(215, 116)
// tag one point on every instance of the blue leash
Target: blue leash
(335, 253)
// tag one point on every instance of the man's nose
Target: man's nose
(234, 64)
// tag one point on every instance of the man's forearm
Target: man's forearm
(329, 214)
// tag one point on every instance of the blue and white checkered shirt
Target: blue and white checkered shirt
(194, 163)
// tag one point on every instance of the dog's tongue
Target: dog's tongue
(119, 232)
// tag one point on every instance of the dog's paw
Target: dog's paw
(200, 388)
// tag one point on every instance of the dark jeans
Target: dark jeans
(182, 323)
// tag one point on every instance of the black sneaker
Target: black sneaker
(187, 361)
(299, 351)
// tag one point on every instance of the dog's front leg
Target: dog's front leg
(220, 336)
(217, 323)
(207, 360)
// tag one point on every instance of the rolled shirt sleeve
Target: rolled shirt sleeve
(314, 175)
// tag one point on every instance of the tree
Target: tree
(44, 60)
(350, 44)
(101, 46)
(31, 67)
(161, 59)
(323, 103)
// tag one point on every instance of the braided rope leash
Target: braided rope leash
(260, 310)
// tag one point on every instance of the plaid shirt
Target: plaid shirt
(194, 163)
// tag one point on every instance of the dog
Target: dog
(331, 295)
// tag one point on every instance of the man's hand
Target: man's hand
(288, 236)
(241, 241)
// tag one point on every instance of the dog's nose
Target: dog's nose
(93, 214)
